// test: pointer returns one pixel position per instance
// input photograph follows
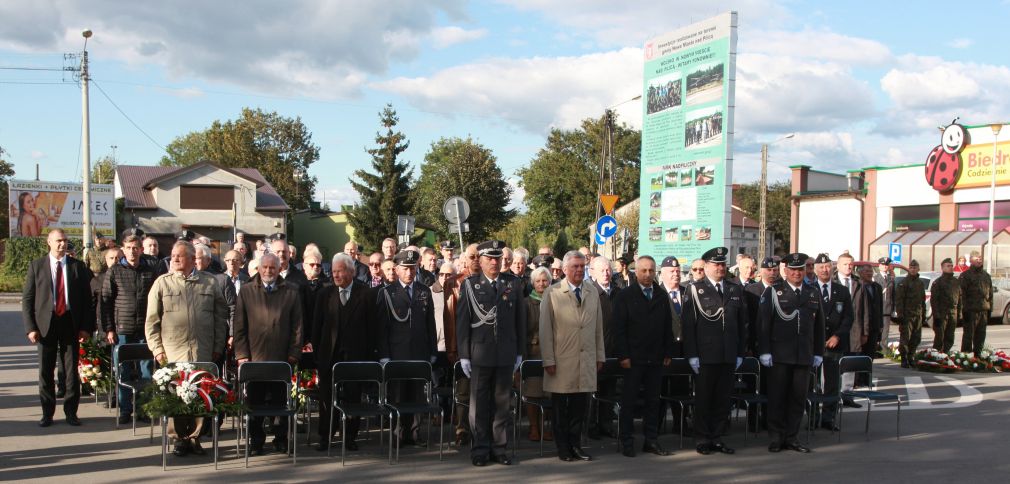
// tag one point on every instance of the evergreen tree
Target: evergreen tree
(385, 193)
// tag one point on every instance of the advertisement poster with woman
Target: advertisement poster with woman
(37, 207)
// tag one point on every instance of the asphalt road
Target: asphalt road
(952, 431)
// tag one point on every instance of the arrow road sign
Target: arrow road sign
(606, 226)
(600, 240)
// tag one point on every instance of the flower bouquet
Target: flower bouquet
(302, 382)
(929, 359)
(94, 366)
(181, 389)
(987, 361)
(893, 352)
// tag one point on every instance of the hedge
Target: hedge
(19, 252)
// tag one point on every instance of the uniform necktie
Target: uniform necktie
(718, 288)
(797, 291)
(410, 292)
(648, 293)
(824, 292)
(676, 302)
(343, 296)
(578, 294)
(60, 306)
(494, 286)
(848, 285)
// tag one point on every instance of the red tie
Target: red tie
(60, 307)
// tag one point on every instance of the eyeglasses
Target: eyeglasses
(375, 264)
(313, 264)
(444, 274)
(230, 260)
(697, 269)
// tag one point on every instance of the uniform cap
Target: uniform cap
(716, 255)
(913, 263)
(670, 261)
(884, 260)
(406, 258)
(769, 263)
(187, 235)
(132, 231)
(822, 258)
(543, 261)
(278, 236)
(796, 260)
(491, 248)
(448, 244)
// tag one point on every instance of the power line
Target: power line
(31, 83)
(16, 68)
(135, 125)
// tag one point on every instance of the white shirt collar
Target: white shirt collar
(571, 287)
(713, 283)
(794, 288)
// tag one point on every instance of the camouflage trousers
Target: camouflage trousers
(974, 324)
(944, 323)
(910, 329)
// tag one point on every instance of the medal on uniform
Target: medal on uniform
(701, 291)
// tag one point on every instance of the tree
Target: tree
(385, 193)
(6, 172)
(464, 168)
(103, 171)
(561, 180)
(748, 197)
(279, 147)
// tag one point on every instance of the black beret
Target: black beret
(491, 248)
(716, 255)
(407, 258)
(796, 260)
(670, 261)
(822, 258)
(947, 261)
(543, 261)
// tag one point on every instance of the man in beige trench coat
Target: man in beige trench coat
(571, 343)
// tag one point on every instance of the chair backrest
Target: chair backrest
(857, 364)
(406, 370)
(457, 372)
(357, 371)
(264, 371)
(208, 366)
(133, 352)
(611, 369)
(750, 366)
(679, 367)
(531, 369)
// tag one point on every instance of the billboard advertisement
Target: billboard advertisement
(964, 158)
(687, 129)
(37, 207)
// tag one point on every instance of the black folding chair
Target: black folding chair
(209, 367)
(133, 353)
(252, 372)
(411, 371)
(816, 399)
(680, 369)
(611, 371)
(861, 364)
(344, 372)
(749, 374)
(531, 369)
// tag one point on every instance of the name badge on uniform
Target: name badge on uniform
(838, 307)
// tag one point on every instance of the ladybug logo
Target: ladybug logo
(943, 165)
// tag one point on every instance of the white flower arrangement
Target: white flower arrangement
(186, 391)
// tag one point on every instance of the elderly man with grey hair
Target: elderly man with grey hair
(316, 280)
(343, 329)
(203, 261)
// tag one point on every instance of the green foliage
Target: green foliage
(385, 193)
(103, 171)
(6, 172)
(279, 147)
(748, 197)
(561, 180)
(463, 167)
(19, 252)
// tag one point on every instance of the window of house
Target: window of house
(206, 197)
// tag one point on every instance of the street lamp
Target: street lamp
(992, 196)
(763, 215)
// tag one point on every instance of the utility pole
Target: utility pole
(763, 210)
(86, 146)
(996, 128)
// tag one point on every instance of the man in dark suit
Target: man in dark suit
(361, 272)
(643, 340)
(791, 341)
(491, 340)
(406, 330)
(768, 275)
(343, 329)
(669, 278)
(715, 336)
(601, 273)
(58, 314)
(837, 306)
(289, 273)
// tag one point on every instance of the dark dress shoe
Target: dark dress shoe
(830, 426)
(502, 459)
(848, 402)
(281, 446)
(580, 454)
(125, 419)
(351, 445)
(654, 448)
(566, 457)
(196, 448)
(775, 447)
(45, 421)
(798, 447)
(704, 449)
(479, 460)
(73, 420)
(721, 447)
(181, 448)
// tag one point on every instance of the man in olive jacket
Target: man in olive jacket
(976, 293)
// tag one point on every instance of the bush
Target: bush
(18, 254)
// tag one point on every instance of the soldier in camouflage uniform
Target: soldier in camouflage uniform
(910, 305)
(976, 292)
(945, 299)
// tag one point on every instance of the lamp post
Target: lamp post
(85, 147)
(763, 215)
(992, 196)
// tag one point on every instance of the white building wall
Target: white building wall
(903, 187)
(831, 226)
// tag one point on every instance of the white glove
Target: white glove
(766, 359)
(433, 358)
(739, 361)
(519, 361)
(384, 360)
(465, 364)
(695, 364)
(818, 360)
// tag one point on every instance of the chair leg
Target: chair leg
(133, 398)
(441, 436)
(294, 439)
(329, 433)
(869, 405)
(898, 436)
(542, 428)
(681, 424)
(164, 443)
(343, 437)
(617, 410)
(214, 436)
(246, 432)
